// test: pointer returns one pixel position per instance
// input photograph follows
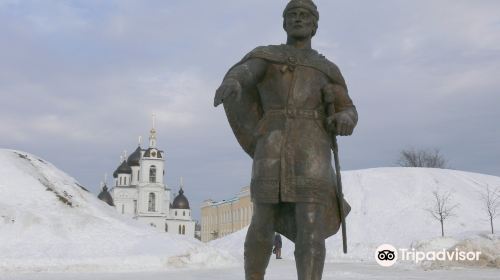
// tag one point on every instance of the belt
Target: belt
(297, 113)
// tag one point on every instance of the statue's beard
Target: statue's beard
(301, 33)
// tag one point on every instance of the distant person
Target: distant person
(277, 245)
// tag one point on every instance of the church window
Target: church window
(120, 180)
(183, 229)
(125, 179)
(183, 213)
(176, 213)
(152, 174)
(180, 229)
(135, 206)
(138, 175)
(151, 202)
(166, 227)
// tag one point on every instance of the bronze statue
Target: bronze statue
(286, 104)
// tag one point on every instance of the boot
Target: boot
(256, 260)
(310, 242)
(258, 250)
(309, 261)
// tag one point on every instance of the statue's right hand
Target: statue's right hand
(226, 89)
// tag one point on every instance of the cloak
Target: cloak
(245, 111)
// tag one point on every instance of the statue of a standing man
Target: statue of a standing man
(278, 101)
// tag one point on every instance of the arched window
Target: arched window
(166, 227)
(183, 213)
(180, 229)
(120, 180)
(152, 202)
(183, 229)
(176, 213)
(152, 174)
(138, 178)
(125, 179)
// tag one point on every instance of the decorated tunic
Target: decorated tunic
(289, 144)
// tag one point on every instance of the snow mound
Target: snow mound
(48, 222)
(388, 206)
(232, 243)
(487, 244)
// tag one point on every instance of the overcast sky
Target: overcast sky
(79, 81)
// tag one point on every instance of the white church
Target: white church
(139, 191)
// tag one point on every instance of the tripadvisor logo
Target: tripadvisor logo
(387, 255)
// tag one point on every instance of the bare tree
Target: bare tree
(422, 158)
(491, 199)
(443, 208)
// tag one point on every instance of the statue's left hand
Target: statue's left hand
(341, 123)
(227, 88)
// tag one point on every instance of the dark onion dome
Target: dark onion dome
(152, 153)
(105, 196)
(122, 169)
(180, 201)
(135, 158)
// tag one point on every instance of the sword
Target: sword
(340, 195)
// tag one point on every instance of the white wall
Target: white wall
(159, 222)
(134, 179)
(145, 166)
(182, 214)
(166, 203)
(122, 180)
(123, 199)
(173, 227)
(143, 199)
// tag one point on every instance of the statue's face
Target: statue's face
(299, 23)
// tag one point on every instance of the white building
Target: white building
(139, 191)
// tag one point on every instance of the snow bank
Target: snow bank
(487, 244)
(48, 222)
(388, 206)
(232, 243)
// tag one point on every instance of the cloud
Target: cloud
(79, 81)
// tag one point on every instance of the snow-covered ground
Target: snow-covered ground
(52, 228)
(281, 270)
(48, 222)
